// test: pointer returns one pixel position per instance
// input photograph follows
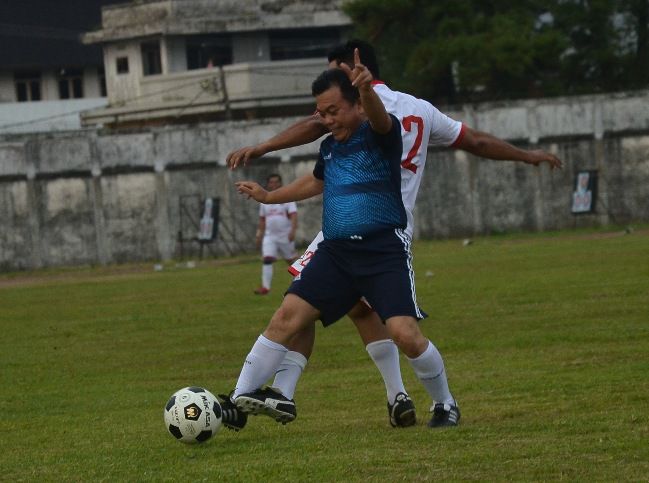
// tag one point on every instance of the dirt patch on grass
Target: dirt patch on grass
(113, 272)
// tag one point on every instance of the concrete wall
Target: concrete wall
(174, 57)
(144, 18)
(125, 86)
(45, 116)
(7, 88)
(89, 197)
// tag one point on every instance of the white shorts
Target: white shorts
(272, 247)
(296, 267)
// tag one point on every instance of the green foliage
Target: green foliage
(468, 50)
(545, 340)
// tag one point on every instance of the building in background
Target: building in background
(42, 58)
(71, 64)
(171, 61)
(47, 76)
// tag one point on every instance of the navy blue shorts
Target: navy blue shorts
(378, 267)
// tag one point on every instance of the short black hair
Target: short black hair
(345, 53)
(335, 77)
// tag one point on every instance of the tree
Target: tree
(468, 50)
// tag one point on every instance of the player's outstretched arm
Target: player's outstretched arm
(302, 132)
(302, 188)
(488, 146)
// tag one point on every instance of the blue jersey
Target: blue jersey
(362, 183)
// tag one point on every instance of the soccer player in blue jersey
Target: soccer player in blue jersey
(365, 251)
(434, 128)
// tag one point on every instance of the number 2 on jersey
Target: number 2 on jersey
(407, 125)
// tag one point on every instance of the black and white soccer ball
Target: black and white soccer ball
(193, 415)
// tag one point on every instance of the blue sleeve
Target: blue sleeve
(391, 136)
(318, 169)
(390, 142)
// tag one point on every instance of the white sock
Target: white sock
(260, 364)
(289, 373)
(385, 355)
(266, 275)
(429, 368)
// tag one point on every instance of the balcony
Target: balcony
(233, 89)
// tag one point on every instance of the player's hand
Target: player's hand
(360, 76)
(252, 190)
(539, 156)
(243, 156)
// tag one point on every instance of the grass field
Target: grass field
(545, 338)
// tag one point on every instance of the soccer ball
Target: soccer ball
(193, 415)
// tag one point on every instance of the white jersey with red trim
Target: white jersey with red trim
(278, 223)
(421, 124)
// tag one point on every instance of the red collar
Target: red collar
(377, 82)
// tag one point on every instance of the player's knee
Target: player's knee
(413, 347)
(408, 337)
(284, 324)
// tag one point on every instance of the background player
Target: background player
(275, 234)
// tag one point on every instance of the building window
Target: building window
(122, 65)
(151, 63)
(208, 51)
(302, 43)
(101, 75)
(70, 83)
(28, 86)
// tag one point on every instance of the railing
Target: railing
(237, 86)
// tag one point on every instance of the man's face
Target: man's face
(340, 116)
(273, 183)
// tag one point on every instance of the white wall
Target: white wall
(7, 90)
(123, 86)
(174, 55)
(50, 85)
(44, 116)
(91, 86)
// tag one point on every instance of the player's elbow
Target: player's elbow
(475, 142)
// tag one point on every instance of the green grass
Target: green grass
(545, 338)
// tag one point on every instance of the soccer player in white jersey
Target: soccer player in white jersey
(275, 234)
(422, 124)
